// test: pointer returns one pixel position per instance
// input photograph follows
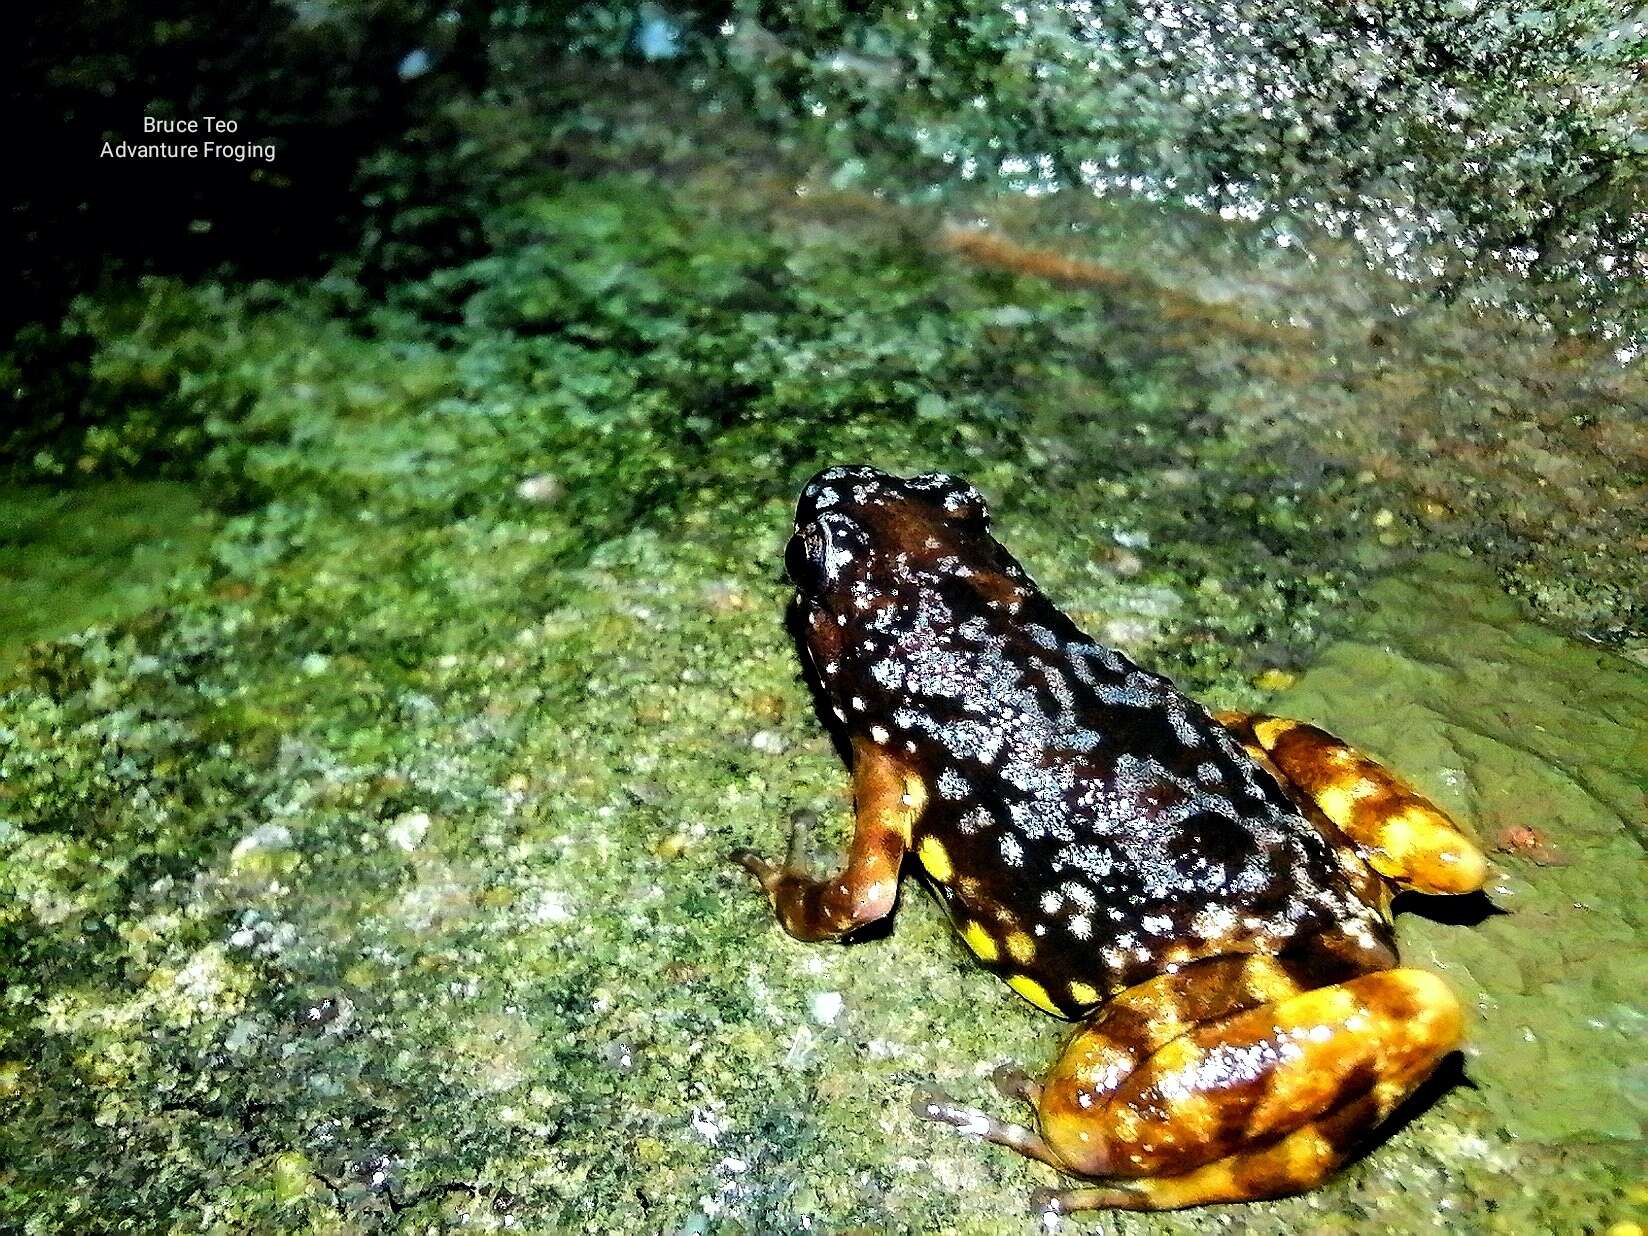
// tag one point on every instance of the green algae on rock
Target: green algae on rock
(91, 553)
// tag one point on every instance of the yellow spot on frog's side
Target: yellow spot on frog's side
(1081, 993)
(912, 801)
(1033, 992)
(1266, 980)
(1396, 836)
(1022, 947)
(1272, 728)
(936, 859)
(981, 942)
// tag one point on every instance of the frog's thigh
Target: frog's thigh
(1134, 1024)
(886, 801)
(1258, 1103)
(1405, 836)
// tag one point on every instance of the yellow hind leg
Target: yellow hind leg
(1403, 835)
(1259, 1103)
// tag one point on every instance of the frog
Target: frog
(1206, 896)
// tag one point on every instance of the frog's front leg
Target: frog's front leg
(1405, 837)
(1259, 1102)
(887, 798)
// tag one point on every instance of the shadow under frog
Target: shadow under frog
(1207, 896)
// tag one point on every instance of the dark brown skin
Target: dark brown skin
(1208, 896)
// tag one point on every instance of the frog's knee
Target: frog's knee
(1428, 853)
(1393, 1027)
(1421, 1020)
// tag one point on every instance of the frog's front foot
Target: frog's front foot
(770, 874)
(886, 800)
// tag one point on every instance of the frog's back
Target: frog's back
(1088, 825)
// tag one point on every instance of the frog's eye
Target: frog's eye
(821, 549)
(960, 502)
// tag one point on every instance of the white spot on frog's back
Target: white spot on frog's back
(1112, 660)
(889, 673)
(1042, 636)
(1082, 740)
(952, 785)
(1179, 718)
(1138, 690)
(1078, 894)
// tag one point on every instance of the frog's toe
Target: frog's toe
(932, 1104)
(1052, 1202)
(1012, 1082)
(767, 873)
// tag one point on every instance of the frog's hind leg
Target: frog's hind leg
(1011, 1082)
(1404, 836)
(1261, 1102)
(1294, 1163)
(1125, 1033)
(886, 801)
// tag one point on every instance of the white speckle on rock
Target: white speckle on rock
(826, 1007)
(543, 489)
(408, 830)
(264, 837)
(768, 742)
(705, 1124)
(549, 906)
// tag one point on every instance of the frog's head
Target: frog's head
(861, 533)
